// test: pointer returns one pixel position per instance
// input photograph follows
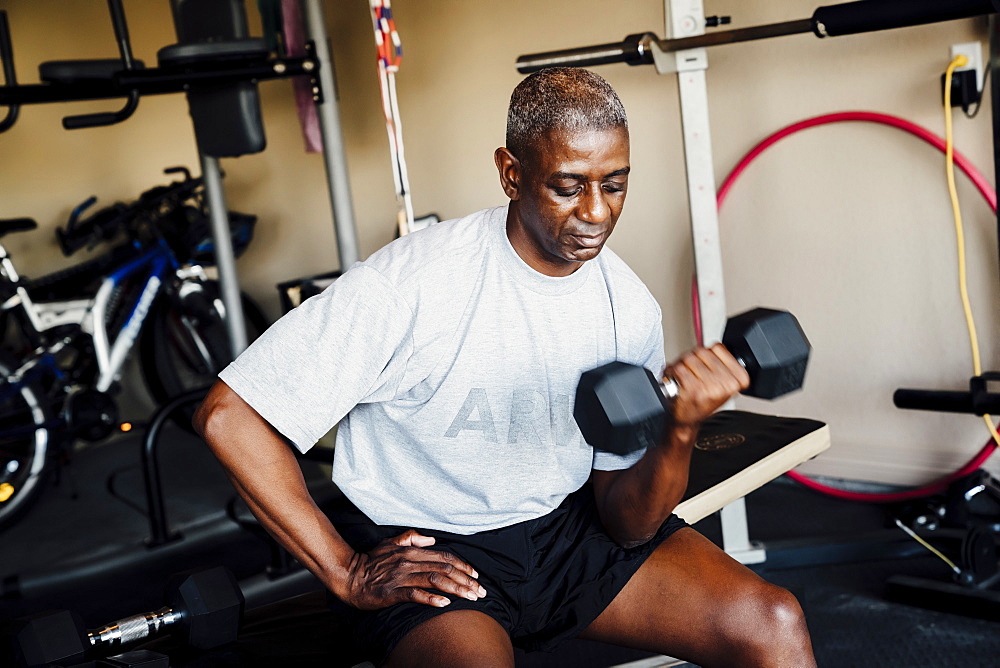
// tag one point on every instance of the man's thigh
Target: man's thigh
(693, 601)
(459, 638)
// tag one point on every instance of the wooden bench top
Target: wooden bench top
(737, 452)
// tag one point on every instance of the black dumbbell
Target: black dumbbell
(203, 608)
(622, 407)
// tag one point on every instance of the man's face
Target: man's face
(566, 197)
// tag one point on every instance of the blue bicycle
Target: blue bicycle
(67, 335)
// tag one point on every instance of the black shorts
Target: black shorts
(546, 579)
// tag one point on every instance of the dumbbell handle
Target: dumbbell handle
(130, 629)
(671, 389)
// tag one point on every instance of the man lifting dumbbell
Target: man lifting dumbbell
(450, 359)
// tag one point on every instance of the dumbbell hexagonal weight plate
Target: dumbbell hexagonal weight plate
(772, 347)
(211, 605)
(620, 407)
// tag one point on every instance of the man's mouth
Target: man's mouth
(589, 241)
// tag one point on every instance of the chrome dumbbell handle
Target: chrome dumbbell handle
(671, 389)
(136, 627)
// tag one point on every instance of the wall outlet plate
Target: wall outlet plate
(974, 52)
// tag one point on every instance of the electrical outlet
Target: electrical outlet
(974, 52)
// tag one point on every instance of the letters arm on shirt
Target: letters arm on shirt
(634, 502)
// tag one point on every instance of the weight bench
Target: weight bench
(736, 453)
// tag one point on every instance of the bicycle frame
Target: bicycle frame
(89, 315)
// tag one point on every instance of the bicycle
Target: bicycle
(67, 335)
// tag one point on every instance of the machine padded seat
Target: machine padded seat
(199, 52)
(81, 71)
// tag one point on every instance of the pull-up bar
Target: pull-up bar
(831, 21)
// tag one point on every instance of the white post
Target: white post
(225, 260)
(686, 18)
(334, 155)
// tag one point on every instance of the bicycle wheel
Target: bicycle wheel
(185, 350)
(25, 444)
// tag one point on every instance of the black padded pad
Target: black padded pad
(227, 118)
(190, 54)
(737, 452)
(77, 71)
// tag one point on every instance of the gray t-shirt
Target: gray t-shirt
(451, 366)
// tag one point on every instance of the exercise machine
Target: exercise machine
(218, 66)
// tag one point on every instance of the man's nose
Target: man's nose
(594, 207)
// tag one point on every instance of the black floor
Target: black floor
(82, 547)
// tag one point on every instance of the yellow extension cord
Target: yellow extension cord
(961, 61)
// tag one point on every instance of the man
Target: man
(450, 358)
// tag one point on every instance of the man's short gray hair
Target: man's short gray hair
(561, 98)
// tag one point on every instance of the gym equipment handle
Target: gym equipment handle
(933, 400)
(870, 15)
(977, 401)
(10, 78)
(128, 63)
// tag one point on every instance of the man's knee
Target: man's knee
(782, 616)
(761, 617)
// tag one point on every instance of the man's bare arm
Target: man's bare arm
(634, 502)
(267, 476)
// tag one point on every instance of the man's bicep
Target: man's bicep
(602, 482)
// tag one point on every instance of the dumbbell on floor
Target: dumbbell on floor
(622, 407)
(204, 608)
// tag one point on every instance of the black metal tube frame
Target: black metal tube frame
(125, 51)
(156, 81)
(159, 529)
(10, 77)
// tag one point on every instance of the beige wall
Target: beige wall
(847, 226)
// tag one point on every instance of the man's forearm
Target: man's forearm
(267, 476)
(636, 501)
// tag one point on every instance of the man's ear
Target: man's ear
(510, 171)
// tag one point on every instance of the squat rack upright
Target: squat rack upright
(683, 53)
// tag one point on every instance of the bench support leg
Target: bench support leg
(736, 536)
